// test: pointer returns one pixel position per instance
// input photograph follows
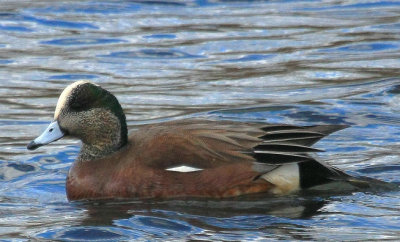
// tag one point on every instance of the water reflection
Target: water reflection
(152, 54)
(177, 218)
(81, 41)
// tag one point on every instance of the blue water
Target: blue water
(295, 62)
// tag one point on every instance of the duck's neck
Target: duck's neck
(90, 152)
(103, 143)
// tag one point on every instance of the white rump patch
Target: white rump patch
(64, 96)
(286, 178)
(183, 169)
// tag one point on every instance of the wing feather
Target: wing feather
(207, 144)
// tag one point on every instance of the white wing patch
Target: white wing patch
(286, 178)
(64, 96)
(183, 169)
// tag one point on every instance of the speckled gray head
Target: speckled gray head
(53, 131)
(88, 112)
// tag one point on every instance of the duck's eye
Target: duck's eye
(79, 106)
(76, 106)
(82, 99)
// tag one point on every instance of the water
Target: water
(296, 62)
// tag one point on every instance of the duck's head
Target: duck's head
(90, 113)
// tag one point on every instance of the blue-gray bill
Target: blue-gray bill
(51, 134)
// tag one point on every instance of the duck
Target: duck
(189, 158)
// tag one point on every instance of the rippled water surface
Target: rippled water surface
(298, 62)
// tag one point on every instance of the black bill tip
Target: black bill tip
(32, 145)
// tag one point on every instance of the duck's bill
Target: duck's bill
(51, 134)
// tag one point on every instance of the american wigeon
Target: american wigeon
(189, 158)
